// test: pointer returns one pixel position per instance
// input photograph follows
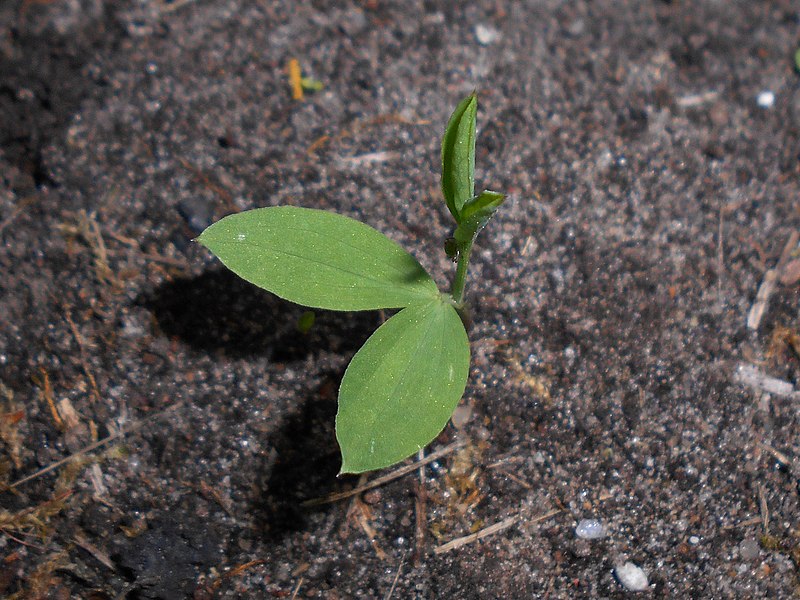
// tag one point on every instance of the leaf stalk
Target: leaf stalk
(460, 279)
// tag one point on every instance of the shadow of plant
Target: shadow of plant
(302, 465)
(218, 311)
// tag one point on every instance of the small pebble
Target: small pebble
(486, 35)
(766, 99)
(749, 549)
(632, 578)
(590, 529)
(461, 416)
(694, 540)
(576, 28)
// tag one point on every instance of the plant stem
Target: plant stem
(460, 280)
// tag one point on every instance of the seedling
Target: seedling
(402, 386)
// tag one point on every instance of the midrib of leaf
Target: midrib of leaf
(357, 248)
(380, 284)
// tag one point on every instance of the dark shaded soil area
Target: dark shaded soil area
(651, 151)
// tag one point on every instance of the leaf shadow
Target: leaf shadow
(302, 464)
(217, 311)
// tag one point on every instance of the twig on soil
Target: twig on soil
(370, 158)
(396, 577)
(216, 187)
(764, 507)
(779, 456)
(697, 99)
(101, 556)
(516, 479)
(165, 7)
(94, 446)
(82, 350)
(235, 572)
(745, 523)
(37, 547)
(490, 530)
(297, 588)
(47, 391)
(770, 281)
(212, 494)
(362, 514)
(396, 474)
(150, 256)
(421, 510)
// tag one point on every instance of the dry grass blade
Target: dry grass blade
(396, 474)
(396, 577)
(769, 282)
(101, 556)
(490, 530)
(297, 588)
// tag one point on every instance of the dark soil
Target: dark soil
(649, 195)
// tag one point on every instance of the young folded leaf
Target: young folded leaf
(319, 259)
(458, 156)
(476, 214)
(402, 386)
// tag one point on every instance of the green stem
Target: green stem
(460, 280)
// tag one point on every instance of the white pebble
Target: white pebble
(766, 99)
(590, 529)
(486, 35)
(694, 540)
(632, 578)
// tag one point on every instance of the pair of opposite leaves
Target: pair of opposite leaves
(402, 386)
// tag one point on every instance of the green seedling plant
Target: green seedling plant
(402, 386)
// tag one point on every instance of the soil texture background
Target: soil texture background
(162, 422)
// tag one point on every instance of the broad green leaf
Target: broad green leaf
(319, 259)
(458, 156)
(476, 214)
(402, 386)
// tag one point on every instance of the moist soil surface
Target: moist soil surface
(162, 422)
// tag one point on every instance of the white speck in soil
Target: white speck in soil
(632, 577)
(485, 34)
(590, 529)
(694, 540)
(766, 99)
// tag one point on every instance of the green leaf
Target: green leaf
(319, 259)
(476, 214)
(458, 156)
(402, 386)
